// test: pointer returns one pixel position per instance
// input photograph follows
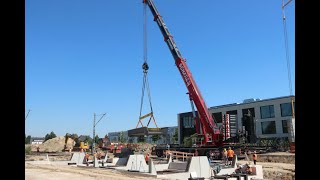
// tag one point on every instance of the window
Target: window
(267, 111)
(217, 117)
(188, 122)
(286, 109)
(268, 127)
(285, 126)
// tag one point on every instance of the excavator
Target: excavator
(77, 146)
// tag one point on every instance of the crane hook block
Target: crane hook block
(145, 66)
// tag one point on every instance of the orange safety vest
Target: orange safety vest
(87, 156)
(230, 153)
(254, 156)
(147, 158)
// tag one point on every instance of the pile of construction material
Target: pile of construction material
(53, 145)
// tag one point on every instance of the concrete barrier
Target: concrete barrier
(137, 162)
(78, 158)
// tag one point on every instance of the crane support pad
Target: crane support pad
(142, 131)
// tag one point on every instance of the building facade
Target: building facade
(36, 140)
(255, 118)
(167, 136)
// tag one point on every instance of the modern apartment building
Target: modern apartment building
(256, 118)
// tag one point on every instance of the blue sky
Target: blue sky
(84, 57)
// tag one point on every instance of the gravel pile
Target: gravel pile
(53, 145)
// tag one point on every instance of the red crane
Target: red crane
(205, 125)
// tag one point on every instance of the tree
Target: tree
(88, 140)
(96, 139)
(106, 136)
(188, 141)
(155, 138)
(121, 137)
(141, 139)
(50, 136)
(27, 139)
(175, 136)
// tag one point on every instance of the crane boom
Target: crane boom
(209, 129)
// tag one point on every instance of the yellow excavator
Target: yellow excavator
(78, 144)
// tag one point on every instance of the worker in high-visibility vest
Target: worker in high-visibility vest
(87, 158)
(230, 154)
(147, 158)
(254, 157)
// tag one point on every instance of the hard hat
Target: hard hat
(229, 147)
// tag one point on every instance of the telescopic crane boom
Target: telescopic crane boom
(205, 125)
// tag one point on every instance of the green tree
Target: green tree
(188, 141)
(175, 135)
(155, 138)
(27, 139)
(96, 139)
(106, 136)
(141, 139)
(121, 137)
(27, 150)
(88, 140)
(50, 136)
(47, 137)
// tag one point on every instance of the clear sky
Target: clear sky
(84, 57)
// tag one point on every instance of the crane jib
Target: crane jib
(207, 123)
(184, 73)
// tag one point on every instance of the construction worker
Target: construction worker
(225, 156)
(87, 158)
(254, 157)
(147, 158)
(230, 154)
(196, 153)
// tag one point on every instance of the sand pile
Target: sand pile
(53, 145)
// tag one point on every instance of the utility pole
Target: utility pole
(94, 130)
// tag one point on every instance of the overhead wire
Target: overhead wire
(287, 52)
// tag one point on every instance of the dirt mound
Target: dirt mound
(53, 145)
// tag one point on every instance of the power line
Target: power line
(27, 114)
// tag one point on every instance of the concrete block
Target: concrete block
(201, 166)
(137, 162)
(152, 168)
(95, 162)
(78, 158)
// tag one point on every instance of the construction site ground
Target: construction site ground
(276, 165)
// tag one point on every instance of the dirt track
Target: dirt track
(54, 172)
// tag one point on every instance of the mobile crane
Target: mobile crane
(206, 128)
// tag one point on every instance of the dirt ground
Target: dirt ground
(274, 169)
(277, 165)
(54, 172)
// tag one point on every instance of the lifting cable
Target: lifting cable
(145, 68)
(287, 52)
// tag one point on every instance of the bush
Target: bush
(27, 149)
